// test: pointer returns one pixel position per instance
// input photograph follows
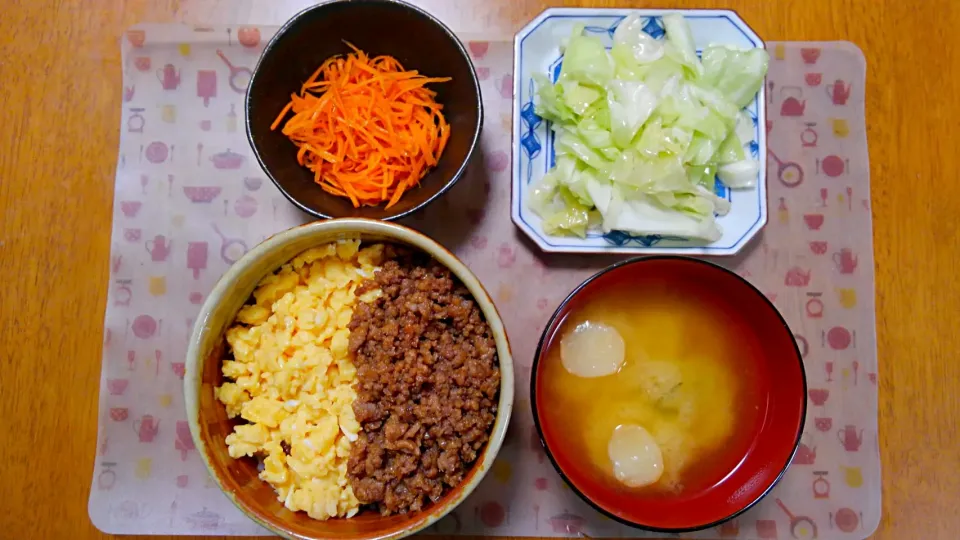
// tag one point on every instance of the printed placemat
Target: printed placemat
(190, 200)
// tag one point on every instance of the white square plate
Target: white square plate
(537, 50)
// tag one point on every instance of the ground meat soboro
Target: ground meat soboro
(428, 380)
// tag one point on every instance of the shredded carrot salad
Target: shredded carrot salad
(367, 128)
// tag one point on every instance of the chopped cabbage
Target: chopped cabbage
(643, 131)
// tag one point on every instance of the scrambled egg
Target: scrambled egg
(293, 377)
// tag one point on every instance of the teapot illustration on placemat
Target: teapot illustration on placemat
(850, 438)
(169, 77)
(146, 428)
(791, 104)
(845, 260)
(838, 92)
(805, 454)
(158, 248)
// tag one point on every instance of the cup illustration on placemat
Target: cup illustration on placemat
(158, 285)
(847, 297)
(852, 476)
(117, 387)
(819, 396)
(136, 37)
(810, 54)
(144, 469)
(130, 209)
(767, 528)
(168, 113)
(841, 128)
(252, 183)
(813, 221)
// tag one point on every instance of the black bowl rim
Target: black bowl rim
(473, 77)
(536, 417)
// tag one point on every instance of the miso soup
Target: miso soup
(651, 389)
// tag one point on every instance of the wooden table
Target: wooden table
(59, 118)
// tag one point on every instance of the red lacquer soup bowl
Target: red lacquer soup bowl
(761, 444)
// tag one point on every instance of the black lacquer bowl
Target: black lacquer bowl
(415, 38)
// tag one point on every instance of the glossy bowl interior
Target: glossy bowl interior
(773, 440)
(207, 417)
(415, 38)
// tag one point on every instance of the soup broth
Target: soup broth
(687, 377)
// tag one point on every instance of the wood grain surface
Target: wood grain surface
(59, 117)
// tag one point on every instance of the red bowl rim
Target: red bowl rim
(536, 416)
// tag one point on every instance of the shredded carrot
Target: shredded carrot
(368, 129)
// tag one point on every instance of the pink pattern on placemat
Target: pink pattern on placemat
(190, 201)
